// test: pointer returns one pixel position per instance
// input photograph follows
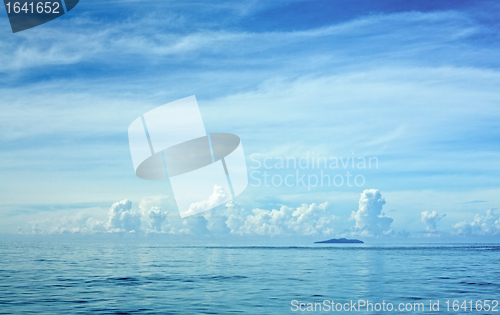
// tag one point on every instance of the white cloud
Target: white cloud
(122, 218)
(154, 218)
(81, 223)
(370, 221)
(305, 220)
(151, 213)
(483, 224)
(218, 197)
(235, 216)
(312, 219)
(92, 41)
(430, 219)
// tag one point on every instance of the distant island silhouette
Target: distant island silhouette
(340, 241)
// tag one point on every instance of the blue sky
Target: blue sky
(413, 83)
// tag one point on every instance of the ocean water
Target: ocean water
(133, 278)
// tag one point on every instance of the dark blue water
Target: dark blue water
(125, 278)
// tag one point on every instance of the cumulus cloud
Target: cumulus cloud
(306, 220)
(217, 198)
(235, 216)
(430, 219)
(122, 218)
(483, 224)
(154, 218)
(151, 214)
(370, 221)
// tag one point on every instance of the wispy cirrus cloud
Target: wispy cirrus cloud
(395, 36)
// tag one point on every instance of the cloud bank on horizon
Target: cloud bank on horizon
(303, 221)
(306, 220)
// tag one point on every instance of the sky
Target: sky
(410, 85)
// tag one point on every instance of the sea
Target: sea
(157, 278)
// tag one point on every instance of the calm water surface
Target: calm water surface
(131, 278)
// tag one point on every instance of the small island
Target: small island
(340, 241)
